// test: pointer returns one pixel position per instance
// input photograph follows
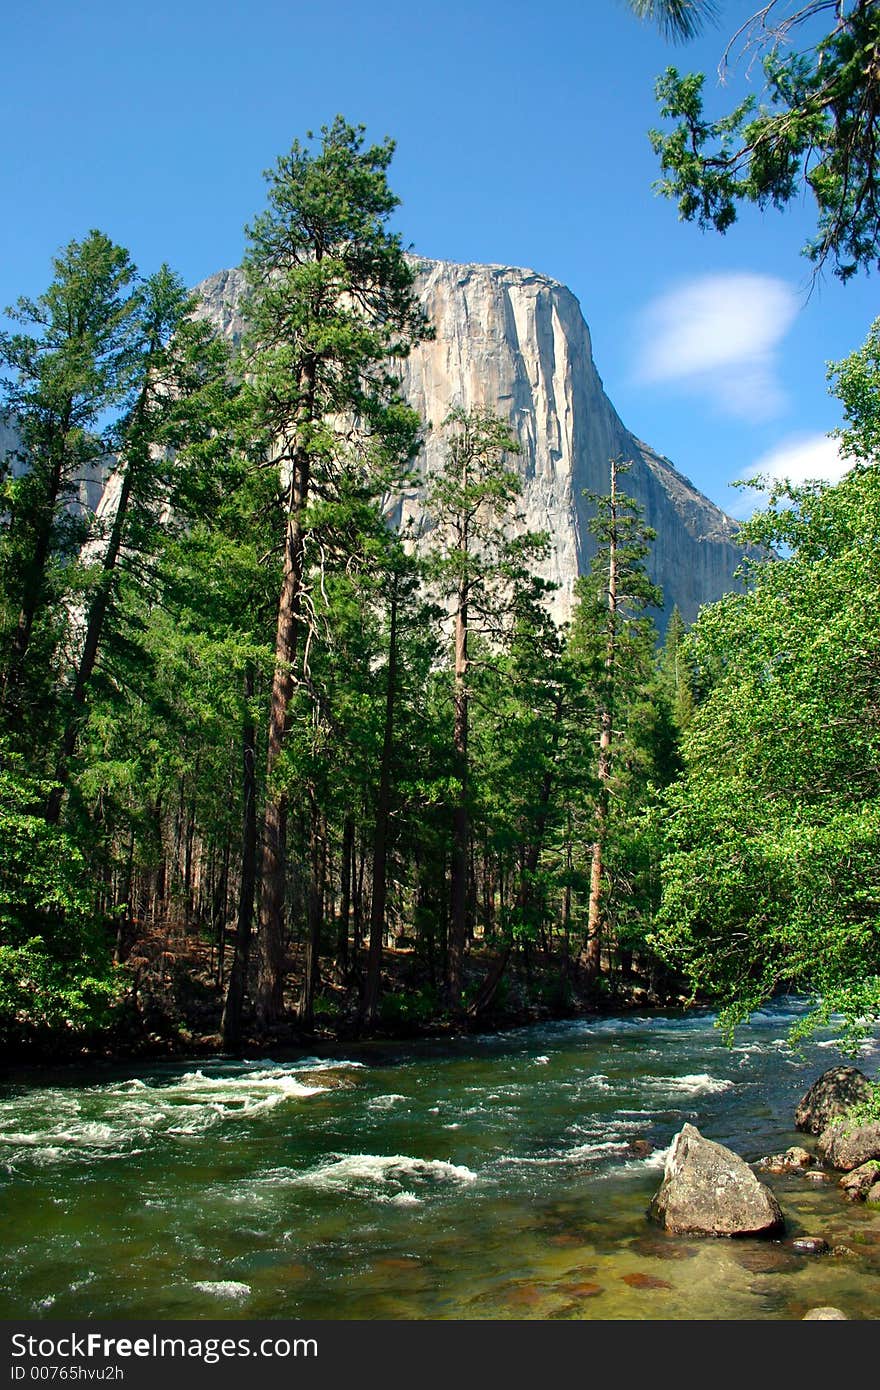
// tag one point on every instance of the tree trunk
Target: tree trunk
(270, 957)
(97, 614)
(460, 820)
(317, 876)
(592, 957)
(370, 1001)
(342, 956)
(230, 1024)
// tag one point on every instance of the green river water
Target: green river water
(487, 1177)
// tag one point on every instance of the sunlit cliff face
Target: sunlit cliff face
(516, 343)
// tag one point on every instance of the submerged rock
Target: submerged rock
(835, 1092)
(811, 1245)
(709, 1190)
(638, 1280)
(848, 1146)
(640, 1148)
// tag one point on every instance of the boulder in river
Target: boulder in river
(847, 1146)
(826, 1314)
(793, 1160)
(857, 1183)
(709, 1190)
(835, 1092)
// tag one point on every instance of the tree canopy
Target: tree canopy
(816, 131)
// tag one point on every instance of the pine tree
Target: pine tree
(476, 567)
(330, 307)
(69, 370)
(613, 639)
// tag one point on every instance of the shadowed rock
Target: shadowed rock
(835, 1092)
(857, 1184)
(708, 1190)
(847, 1146)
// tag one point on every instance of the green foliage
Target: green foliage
(410, 1007)
(866, 1112)
(770, 862)
(818, 131)
(330, 306)
(64, 377)
(677, 677)
(678, 20)
(55, 967)
(43, 997)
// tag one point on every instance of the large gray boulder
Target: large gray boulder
(708, 1190)
(846, 1146)
(835, 1092)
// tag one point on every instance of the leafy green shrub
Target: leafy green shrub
(56, 971)
(40, 994)
(413, 1006)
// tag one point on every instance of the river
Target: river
(484, 1177)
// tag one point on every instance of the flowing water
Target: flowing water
(487, 1177)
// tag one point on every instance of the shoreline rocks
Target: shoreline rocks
(856, 1185)
(849, 1146)
(709, 1190)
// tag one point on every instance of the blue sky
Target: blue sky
(521, 139)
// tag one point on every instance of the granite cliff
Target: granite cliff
(516, 342)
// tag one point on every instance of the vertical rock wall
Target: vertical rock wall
(516, 342)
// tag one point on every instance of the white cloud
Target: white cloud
(798, 460)
(719, 336)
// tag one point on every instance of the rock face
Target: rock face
(832, 1095)
(708, 1190)
(90, 483)
(516, 342)
(845, 1146)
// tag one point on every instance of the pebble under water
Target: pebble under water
(484, 1177)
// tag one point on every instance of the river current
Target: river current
(502, 1176)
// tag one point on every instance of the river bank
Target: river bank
(172, 1008)
(501, 1175)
